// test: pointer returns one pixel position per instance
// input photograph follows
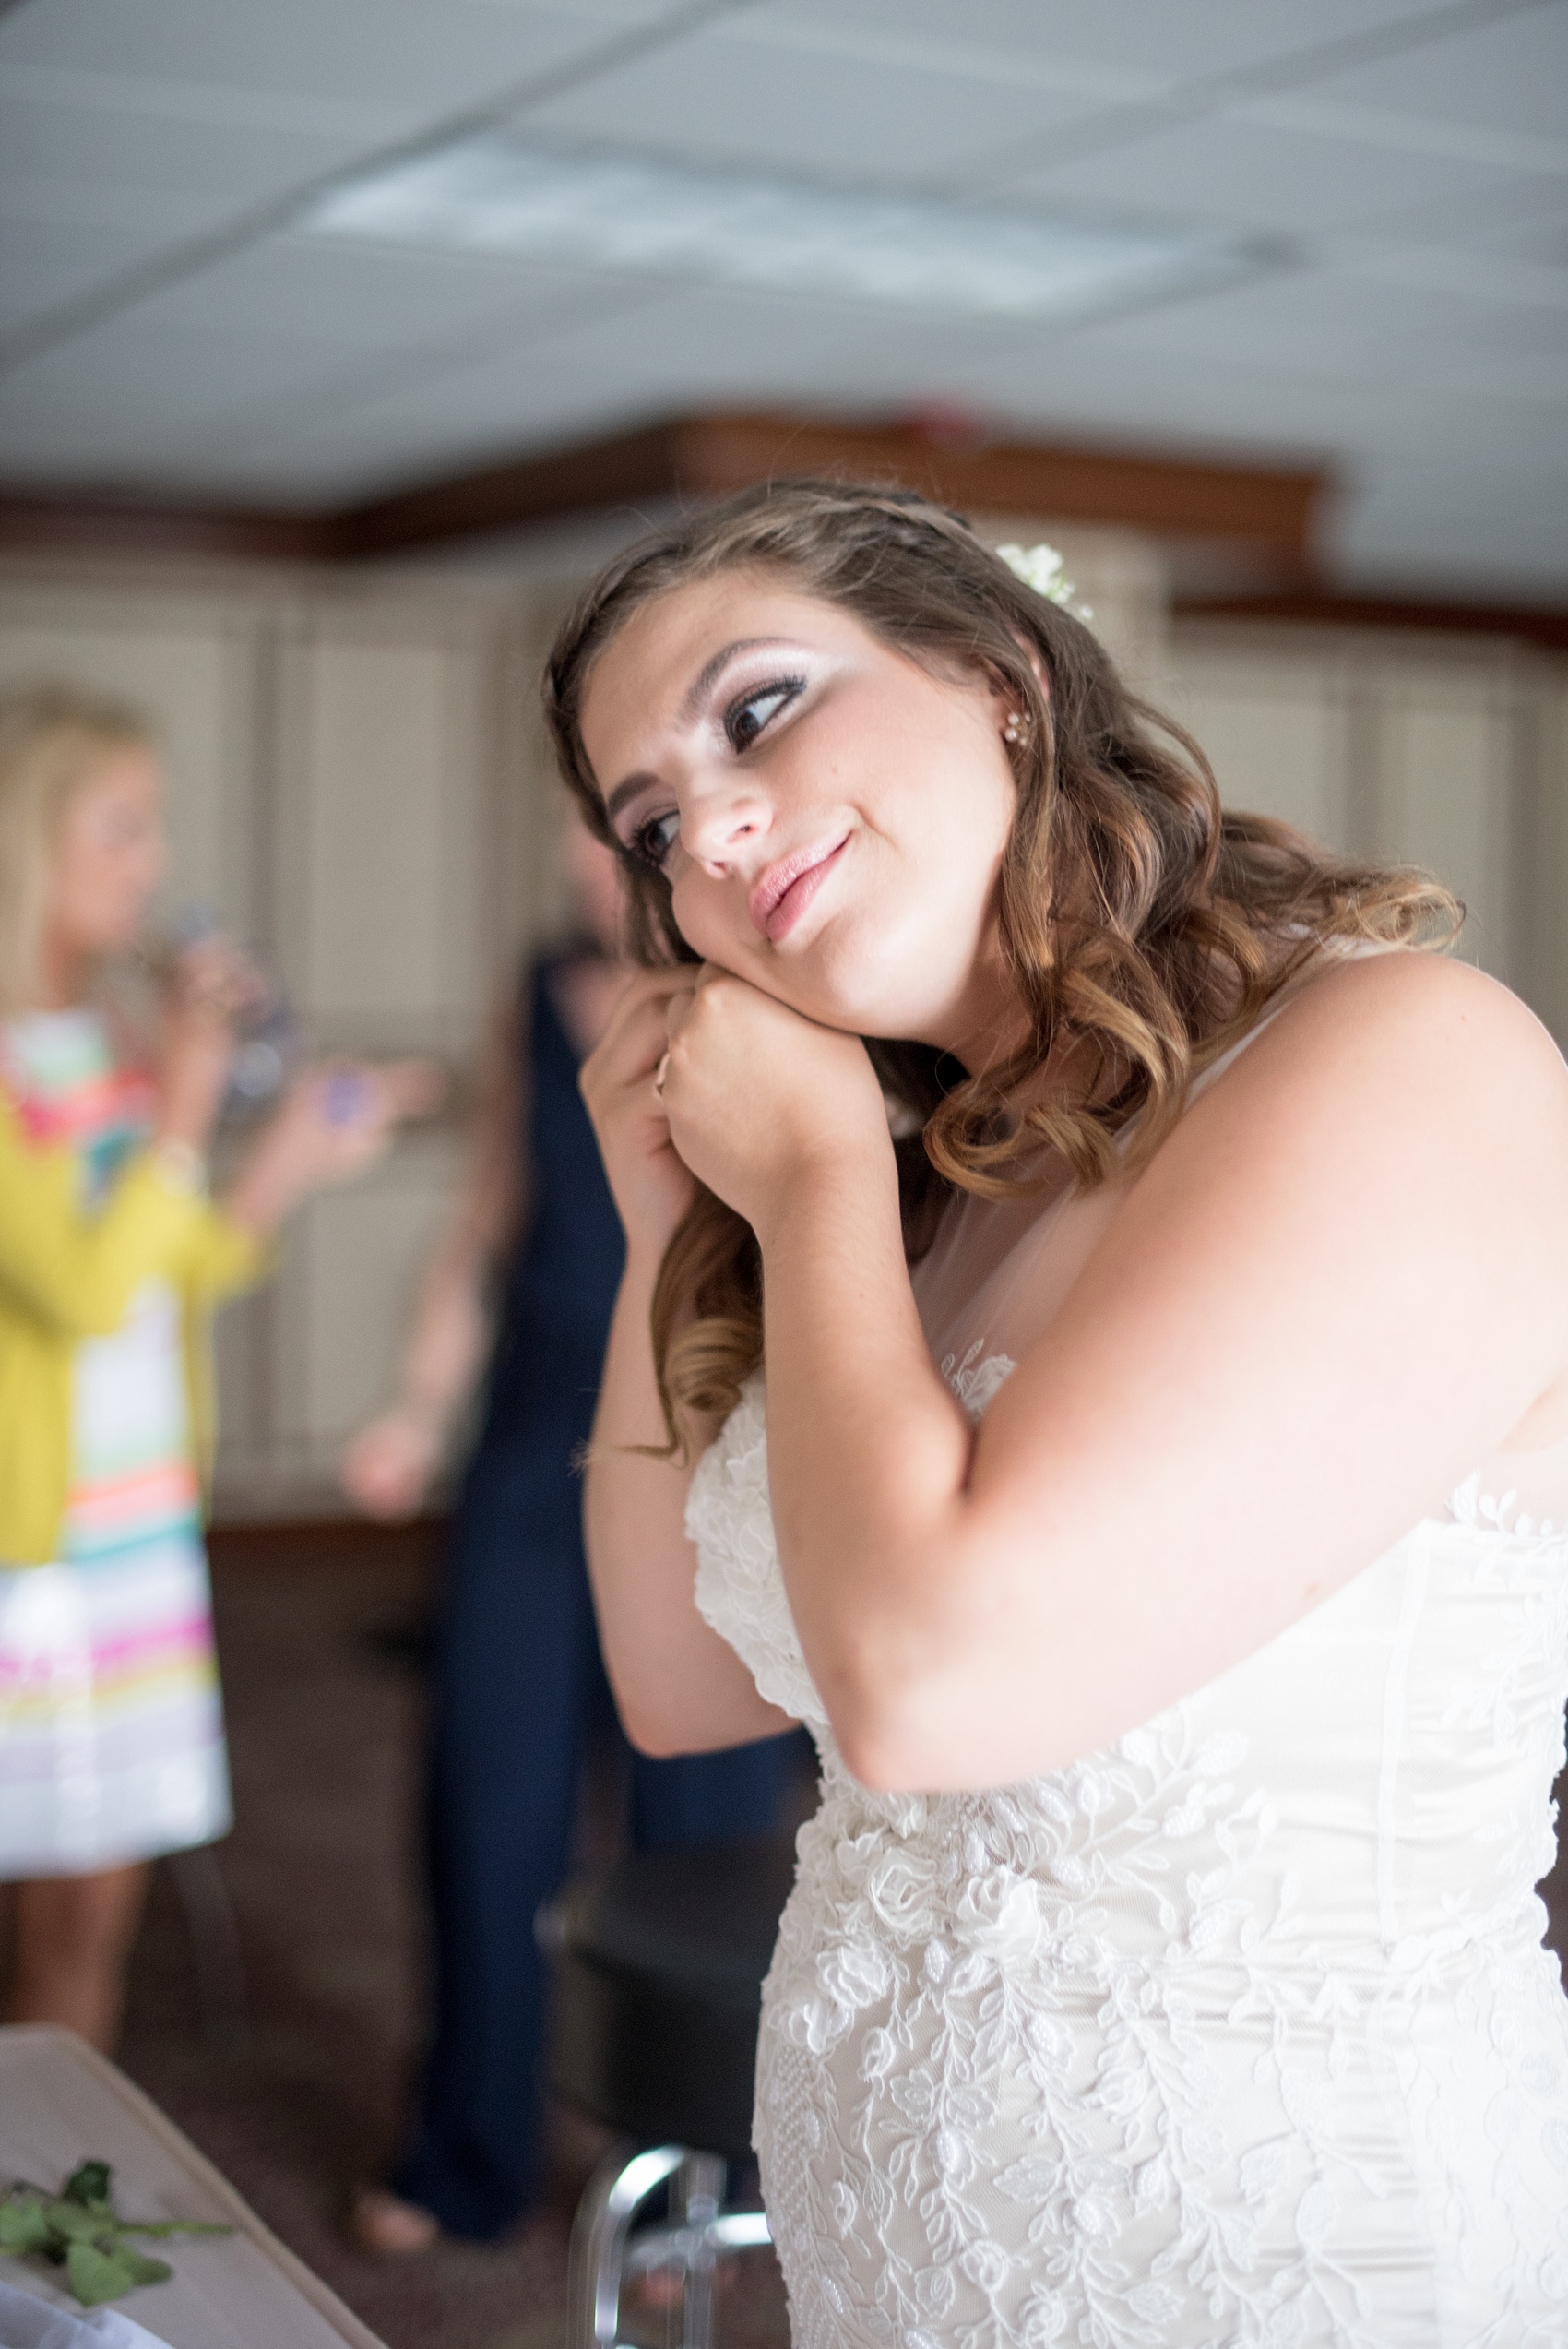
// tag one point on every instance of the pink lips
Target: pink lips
(787, 888)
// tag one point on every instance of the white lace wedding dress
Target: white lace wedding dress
(1240, 2031)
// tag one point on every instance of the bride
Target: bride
(1159, 1505)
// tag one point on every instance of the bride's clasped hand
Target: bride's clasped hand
(702, 1077)
(762, 1101)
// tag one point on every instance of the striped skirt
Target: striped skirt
(111, 1723)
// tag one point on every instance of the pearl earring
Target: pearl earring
(1018, 728)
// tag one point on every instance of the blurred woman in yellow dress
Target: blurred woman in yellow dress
(113, 1256)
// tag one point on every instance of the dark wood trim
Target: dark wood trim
(1320, 608)
(90, 525)
(1172, 496)
(708, 456)
(1271, 511)
(705, 457)
(297, 1543)
(653, 464)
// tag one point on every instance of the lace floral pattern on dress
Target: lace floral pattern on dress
(978, 1378)
(1237, 2032)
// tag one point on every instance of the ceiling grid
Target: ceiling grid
(170, 326)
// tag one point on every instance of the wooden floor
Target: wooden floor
(318, 1639)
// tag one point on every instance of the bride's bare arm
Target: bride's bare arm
(679, 1687)
(1342, 1281)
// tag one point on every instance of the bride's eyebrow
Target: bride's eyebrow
(625, 793)
(712, 670)
(691, 700)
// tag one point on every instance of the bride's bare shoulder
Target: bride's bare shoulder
(1399, 1095)
(1411, 1024)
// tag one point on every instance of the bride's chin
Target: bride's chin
(846, 980)
(870, 1000)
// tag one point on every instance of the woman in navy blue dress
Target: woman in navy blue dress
(519, 1692)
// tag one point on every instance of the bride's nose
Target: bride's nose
(722, 824)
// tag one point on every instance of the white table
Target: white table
(60, 2104)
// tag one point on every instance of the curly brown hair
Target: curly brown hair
(1138, 916)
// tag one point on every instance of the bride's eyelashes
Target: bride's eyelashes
(654, 838)
(746, 720)
(753, 711)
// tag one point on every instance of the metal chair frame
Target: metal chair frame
(605, 2253)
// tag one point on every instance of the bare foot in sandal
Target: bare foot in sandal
(382, 2222)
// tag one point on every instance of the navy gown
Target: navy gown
(519, 1684)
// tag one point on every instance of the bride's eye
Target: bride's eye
(745, 720)
(654, 838)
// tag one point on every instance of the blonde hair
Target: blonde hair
(53, 737)
(1139, 918)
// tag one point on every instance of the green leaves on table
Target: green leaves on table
(76, 2230)
(97, 2275)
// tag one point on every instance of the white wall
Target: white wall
(1444, 752)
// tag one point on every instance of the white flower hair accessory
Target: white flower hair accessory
(1040, 568)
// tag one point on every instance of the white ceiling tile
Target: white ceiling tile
(1345, 323)
(1533, 236)
(1234, 376)
(1065, 389)
(1145, 44)
(598, 374)
(415, 57)
(337, 299)
(201, 371)
(357, 454)
(46, 261)
(1510, 76)
(1235, 174)
(200, 168)
(229, 105)
(680, 350)
(416, 381)
(712, 99)
(1528, 217)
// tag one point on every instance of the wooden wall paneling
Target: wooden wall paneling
(508, 819)
(1447, 779)
(533, 808)
(190, 664)
(1275, 721)
(246, 1350)
(418, 853)
(1540, 859)
(1388, 747)
(340, 1304)
(382, 806)
(247, 1337)
(381, 852)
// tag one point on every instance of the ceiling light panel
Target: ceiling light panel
(593, 209)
